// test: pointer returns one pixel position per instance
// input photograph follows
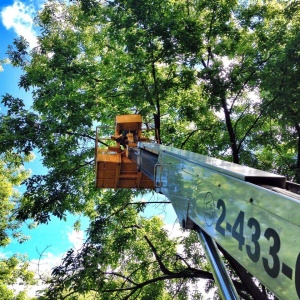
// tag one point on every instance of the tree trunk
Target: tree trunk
(247, 281)
(156, 94)
(157, 128)
(297, 173)
(233, 144)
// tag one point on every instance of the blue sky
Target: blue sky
(16, 18)
(53, 240)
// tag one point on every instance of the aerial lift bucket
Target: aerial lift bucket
(114, 169)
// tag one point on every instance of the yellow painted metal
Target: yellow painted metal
(113, 167)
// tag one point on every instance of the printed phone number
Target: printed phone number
(272, 264)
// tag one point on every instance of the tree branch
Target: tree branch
(188, 137)
(213, 17)
(163, 268)
(254, 123)
(133, 289)
(184, 260)
(247, 80)
(247, 283)
(78, 134)
(80, 166)
(241, 89)
(120, 275)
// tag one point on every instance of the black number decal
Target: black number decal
(219, 228)
(297, 276)
(274, 269)
(254, 256)
(238, 230)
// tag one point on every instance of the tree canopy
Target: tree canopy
(218, 78)
(14, 269)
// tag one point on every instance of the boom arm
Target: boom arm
(253, 215)
(248, 212)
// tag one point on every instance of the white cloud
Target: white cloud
(42, 268)
(76, 238)
(46, 263)
(175, 230)
(19, 17)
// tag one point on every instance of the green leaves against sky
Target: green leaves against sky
(214, 77)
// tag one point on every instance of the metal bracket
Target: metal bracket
(188, 223)
(157, 183)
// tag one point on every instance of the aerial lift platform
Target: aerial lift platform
(253, 215)
(113, 167)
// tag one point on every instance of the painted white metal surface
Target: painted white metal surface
(258, 227)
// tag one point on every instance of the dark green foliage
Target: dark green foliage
(217, 78)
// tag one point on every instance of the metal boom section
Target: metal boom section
(248, 212)
(253, 215)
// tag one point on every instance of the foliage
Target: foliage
(126, 255)
(200, 73)
(11, 175)
(14, 271)
(282, 90)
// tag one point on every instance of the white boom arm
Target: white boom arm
(246, 211)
